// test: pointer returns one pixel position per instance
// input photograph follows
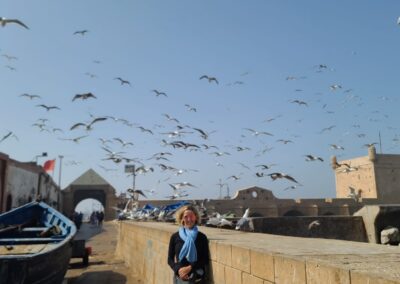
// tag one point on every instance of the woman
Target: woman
(188, 252)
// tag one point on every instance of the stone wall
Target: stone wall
(347, 228)
(239, 257)
(22, 182)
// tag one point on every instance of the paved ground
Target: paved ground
(103, 266)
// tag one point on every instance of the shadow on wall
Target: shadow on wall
(388, 217)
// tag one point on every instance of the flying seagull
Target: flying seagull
(275, 176)
(76, 139)
(135, 193)
(48, 108)
(6, 136)
(83, 32)
(10, 57)
(210, 79)
(336, 147)
(244, 224)
(123, 81)
(84, 96)
(299, 102)
(89, 125)
(314, 224)
(256, 133)
(4, 22)
(310, 158)
(158, 93)
(30, 96)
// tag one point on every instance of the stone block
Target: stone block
(241, 258)
(233, 275)
(262, 265)
(218, 272)
(288, 270)
(212, 245)
(250, 279)
(224, 254)
(317, 273)
(362, 278)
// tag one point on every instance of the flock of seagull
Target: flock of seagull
(177, 137)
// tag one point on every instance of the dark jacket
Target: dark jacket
(175, 246)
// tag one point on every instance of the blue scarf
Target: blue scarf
(189, 249)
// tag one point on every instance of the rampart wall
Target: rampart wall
(240, 257)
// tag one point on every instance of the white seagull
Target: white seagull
(4, 22)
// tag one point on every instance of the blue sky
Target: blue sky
(251, 47)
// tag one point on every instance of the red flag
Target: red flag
(48, 166)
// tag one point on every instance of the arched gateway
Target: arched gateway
(90, 185)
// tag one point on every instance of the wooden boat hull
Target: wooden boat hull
(29, 259)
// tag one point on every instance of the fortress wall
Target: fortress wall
(347, 228)
(387, 172)
(361, 179)
(239, 257)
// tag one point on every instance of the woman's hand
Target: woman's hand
(184, 271)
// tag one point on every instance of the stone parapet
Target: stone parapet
(239, 257)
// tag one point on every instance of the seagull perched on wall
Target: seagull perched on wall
(210, 79)
(4, 22)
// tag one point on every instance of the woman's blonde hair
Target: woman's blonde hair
(179, 214)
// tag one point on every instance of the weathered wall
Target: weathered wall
(387, 172)
(237, 257)
(21, 184)
(376, 175)
(263, 203)
(361, 179)
(328, 227)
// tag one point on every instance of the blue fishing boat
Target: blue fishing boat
(35, 244)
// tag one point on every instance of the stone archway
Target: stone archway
(90, 185)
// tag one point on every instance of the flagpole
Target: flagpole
(59, 171)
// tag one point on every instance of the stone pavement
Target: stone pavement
(103, 266)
